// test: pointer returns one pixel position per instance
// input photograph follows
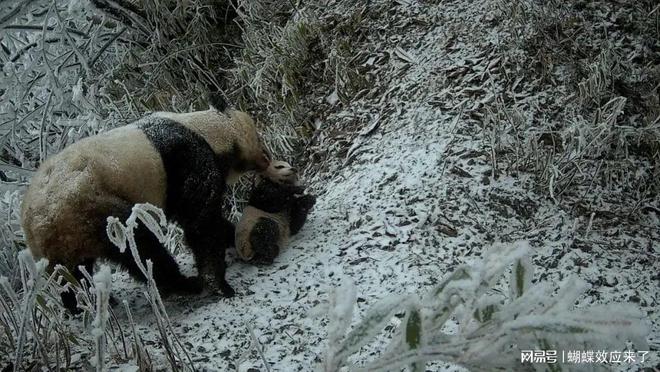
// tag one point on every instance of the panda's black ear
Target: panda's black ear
(217, 101)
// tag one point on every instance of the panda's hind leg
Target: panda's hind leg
(166, 272)
(69, 296)
(263, 239)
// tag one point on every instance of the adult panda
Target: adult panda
(180, 162)
(277, 209)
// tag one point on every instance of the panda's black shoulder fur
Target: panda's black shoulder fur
(273, 197)
(195, 184)
(196, 176)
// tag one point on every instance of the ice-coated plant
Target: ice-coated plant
(102, 285)
(34, 331)
(492, 327)
(273, 66)
(10, 233)
(603, 134)
(122, 235)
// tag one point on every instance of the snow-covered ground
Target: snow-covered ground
(411, 164)
(412, 195)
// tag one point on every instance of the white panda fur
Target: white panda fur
(205, 123)
(277, 209)
(92, 172)
(72, 193)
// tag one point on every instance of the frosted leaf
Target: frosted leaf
(498, 258)
(102, 284)
(77, 89)
(536, 297)
(569, 291)
(155, 220)
(522, 273)
(35, 269)
(414, 331)
(342, 303)
(372, 324)
(413, 327)
(437, 293)
(151, 214)
(486, 308)
(103, 278)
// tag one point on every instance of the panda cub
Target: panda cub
(277, 209)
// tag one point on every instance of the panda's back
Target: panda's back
(121, 162)
(73, 191)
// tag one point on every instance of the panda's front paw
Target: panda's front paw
(194, 285)
(184, 285)
(306, 202)
(227, 290)
(297, 189)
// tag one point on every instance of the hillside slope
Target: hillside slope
(407, 190)
(438, 129)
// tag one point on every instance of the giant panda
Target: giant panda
(277, 209)
(180, 162)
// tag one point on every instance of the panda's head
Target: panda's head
(282, 172)
(248, 149)
(276, 189)
(232, 135)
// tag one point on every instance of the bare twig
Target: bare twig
(48, 28)
(259, 347)
(106, 45)
(82, 59)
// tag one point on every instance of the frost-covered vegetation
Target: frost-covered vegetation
(37, 331)
(597, 148)
(494, 325)
(565, 92)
